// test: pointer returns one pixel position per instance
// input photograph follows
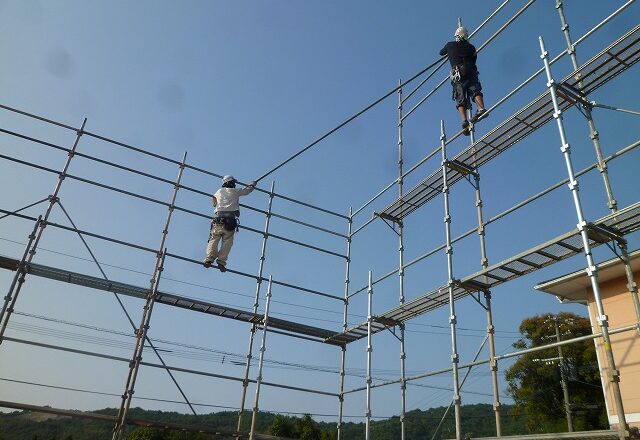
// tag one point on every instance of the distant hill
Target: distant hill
(477, 420)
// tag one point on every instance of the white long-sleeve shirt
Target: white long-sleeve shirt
(227, 199)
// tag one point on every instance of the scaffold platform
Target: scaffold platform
(611, 227)
(606, 65)
(63, 275)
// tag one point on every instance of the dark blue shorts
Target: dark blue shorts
(467, 89)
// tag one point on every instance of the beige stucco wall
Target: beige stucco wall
(618, 306)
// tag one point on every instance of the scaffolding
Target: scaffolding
(612, 229)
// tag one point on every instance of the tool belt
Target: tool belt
(228, 219)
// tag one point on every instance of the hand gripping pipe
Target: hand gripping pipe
(592, 269)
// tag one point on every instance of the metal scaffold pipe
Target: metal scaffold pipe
(464, 379)
(117, 297)
(515, 90)
(450, 282)
(593, 131)
(345, 321)
(263, 348)
(482, 46)
(503, 214)
(499, 357)
(30, 252)
(134, 364)
(592, 270)
(484, 263)
(369, 379)
(256, 304)
(601, 162)
(403, 355)
(141, 332)
(486, 20)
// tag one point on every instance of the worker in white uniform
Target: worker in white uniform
(224, 223)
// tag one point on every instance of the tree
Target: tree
(303, 428)
(307, 429)
(535, 378)
(147, 434)
(281, 426)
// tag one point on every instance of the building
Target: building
(620, 308)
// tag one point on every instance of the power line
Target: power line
(193, 352)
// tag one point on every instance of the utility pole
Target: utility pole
(563, 379)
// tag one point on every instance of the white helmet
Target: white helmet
(227, 178)
(461, 34)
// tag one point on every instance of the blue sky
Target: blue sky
(241, 86)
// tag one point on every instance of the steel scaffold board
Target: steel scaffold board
(564, 246)
(600, 69)
(169, 299)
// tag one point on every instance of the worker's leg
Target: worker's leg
(475, 90)
(461, 100)
(214, 239)
(227, 242)
(462, 110)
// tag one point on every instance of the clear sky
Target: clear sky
(241, 86)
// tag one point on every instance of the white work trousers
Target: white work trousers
(218, 234)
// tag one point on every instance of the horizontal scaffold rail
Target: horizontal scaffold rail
(53, 273)
(611, 227)
(603, 67)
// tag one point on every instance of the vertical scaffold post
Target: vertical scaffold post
(343, 357)
(592, 269)
(484, 262)
(493, 364)
(141, 332)
(31, 249)
(452, 310)
(403, 356)
(19, 278)
(593, 132)
(602, 164)
(263, 348)
(256, 304)
(369, 351)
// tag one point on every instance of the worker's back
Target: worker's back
(460, 52)
(227, 199)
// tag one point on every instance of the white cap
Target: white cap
(227, 178)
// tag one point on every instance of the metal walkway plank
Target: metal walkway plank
(606, 65)
(625, 221)
(172, 300)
